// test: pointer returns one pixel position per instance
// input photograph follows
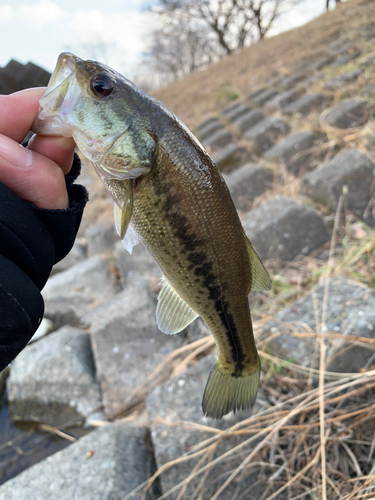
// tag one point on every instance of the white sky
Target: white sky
(38, 30)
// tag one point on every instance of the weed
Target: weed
(225, 96)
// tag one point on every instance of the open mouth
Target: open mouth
(60, 97)
(63, 70)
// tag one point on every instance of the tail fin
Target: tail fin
(228, 391)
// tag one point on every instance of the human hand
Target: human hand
(36, 173)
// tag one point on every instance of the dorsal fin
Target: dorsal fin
(260, 279)
(172, 313)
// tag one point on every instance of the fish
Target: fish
(168, 194)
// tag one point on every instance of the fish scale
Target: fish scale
(212, 221)
(168, 193)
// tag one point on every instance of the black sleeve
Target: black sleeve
(32, 240)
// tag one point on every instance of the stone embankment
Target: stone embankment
(289, 154)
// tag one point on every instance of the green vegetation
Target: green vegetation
(225, 96)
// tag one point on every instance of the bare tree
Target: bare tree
(183, 45)
(235, 23)
(196, 33)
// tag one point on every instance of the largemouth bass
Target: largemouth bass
(168, 193)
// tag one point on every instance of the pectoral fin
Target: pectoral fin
(260, 279)
(122, 211)
(172, 313)
(123, 207)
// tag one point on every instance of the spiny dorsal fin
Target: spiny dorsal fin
(172, 313)
(260, 279)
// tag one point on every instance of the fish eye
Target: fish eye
(101, 85)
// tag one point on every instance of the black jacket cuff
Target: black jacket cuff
(32, 240)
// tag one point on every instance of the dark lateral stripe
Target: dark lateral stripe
(231, 333)
(201, 265)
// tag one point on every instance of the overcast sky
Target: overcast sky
(38, 30)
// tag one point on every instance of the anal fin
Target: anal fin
(172, 313)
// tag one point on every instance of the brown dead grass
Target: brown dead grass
(194, 97)
(317, 440)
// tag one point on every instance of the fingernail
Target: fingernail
(14, 154)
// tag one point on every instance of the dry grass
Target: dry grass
(317, 438)
(316, 441)
(255, 66)
(175, 363)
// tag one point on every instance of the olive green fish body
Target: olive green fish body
(186, 218)
(164, 184)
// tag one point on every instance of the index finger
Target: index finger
(18, 112)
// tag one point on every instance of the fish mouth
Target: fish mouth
(60, 97)
(65, 66)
